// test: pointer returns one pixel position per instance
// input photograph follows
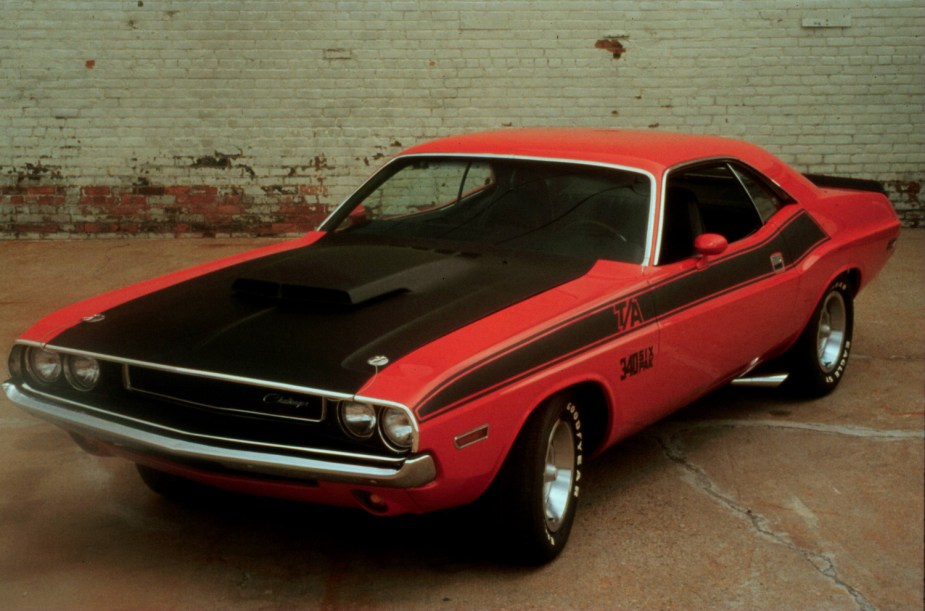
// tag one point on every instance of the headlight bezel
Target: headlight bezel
(15, 362)
(46, 368)
(392, 419)
(361, 408)
(384, 433)
(33, 370)
(78, 381)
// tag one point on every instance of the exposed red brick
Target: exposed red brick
(39, 191)
(95, 191)
(177, 191)
(284, 228)
(39, 228)
(50, 200)
(129, 199)
(149, 190)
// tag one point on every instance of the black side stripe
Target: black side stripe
(600, 325)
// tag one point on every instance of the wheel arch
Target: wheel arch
(595, 412)
(853, 276)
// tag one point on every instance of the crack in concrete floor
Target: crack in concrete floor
(668, 435)
(815, 427)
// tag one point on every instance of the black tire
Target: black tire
(819, 357)
(536, 493)
(169, 486)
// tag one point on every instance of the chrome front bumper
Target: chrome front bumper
(81, 419)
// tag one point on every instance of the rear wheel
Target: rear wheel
(819, 357)
(537, 489)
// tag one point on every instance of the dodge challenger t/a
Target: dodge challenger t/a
(482, 315)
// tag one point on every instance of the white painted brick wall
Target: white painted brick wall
(295, 96)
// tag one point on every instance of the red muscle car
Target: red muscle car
(483, 314)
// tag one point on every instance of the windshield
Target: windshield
(557, 208)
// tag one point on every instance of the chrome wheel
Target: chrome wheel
(830, 334)
(536, 493)
(558, 475)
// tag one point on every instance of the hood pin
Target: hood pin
(378, 361)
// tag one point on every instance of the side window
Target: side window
(713, 197)
(766, 201)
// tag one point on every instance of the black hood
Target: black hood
(314, 316)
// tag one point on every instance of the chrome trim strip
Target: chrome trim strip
(54, 400)
(414, 471)
(599, 164)
(210, 375)
(766, 381)
(472, 437)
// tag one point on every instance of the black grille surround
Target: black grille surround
(242, 411)
(224, 395)
(219, 410)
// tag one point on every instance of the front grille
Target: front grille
(225, 396)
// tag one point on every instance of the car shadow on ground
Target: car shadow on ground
(448, 540)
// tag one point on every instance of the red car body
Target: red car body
(628, 341)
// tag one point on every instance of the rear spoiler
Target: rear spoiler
(852, 184)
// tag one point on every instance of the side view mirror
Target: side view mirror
(710, 244)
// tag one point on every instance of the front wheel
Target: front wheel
(537, 488)
(820, 355)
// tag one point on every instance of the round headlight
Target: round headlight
(82, 372)
(43, 365)
(397, 427)
(358, 419)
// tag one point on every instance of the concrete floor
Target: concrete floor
(745, 499)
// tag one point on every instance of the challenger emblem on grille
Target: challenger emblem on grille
(228, 396)
(276, 399)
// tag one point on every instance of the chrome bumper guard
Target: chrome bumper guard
(413, 472)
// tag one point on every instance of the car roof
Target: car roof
(621, 147)
(652, 151)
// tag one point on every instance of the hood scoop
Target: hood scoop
(350, 276)
(265, 289)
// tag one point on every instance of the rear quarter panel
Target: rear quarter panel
(862, 227)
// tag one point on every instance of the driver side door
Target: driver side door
(721, 315)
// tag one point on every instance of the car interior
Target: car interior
(712, 198)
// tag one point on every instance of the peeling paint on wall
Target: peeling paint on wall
(36, 172)
(612, 45)
(222, 161)
(278, 105)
